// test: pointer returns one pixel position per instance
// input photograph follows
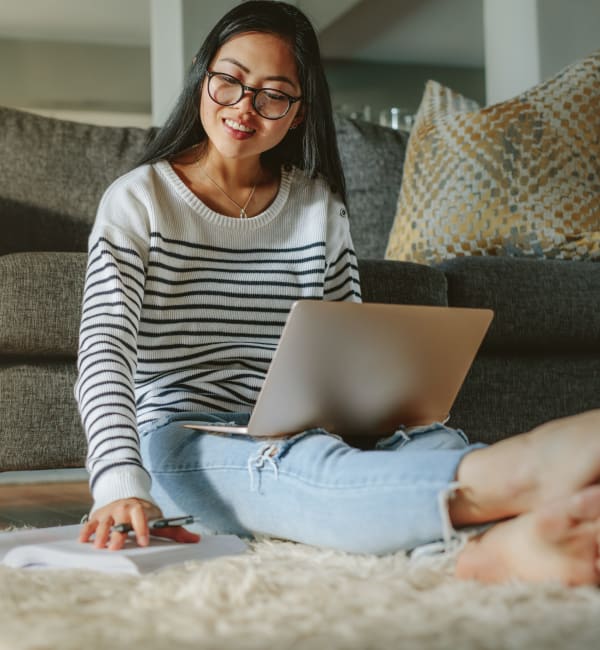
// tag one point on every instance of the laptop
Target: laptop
(364, 368)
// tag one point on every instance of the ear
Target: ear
(298, 119)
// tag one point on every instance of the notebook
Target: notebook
(58, 548)
(364, 368)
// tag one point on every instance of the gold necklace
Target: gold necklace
(243, 213)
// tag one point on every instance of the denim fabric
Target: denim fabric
(311, 487)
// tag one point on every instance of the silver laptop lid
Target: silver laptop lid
(367, 368)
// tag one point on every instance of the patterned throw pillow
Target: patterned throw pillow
(520, 178)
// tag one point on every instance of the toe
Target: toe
(585, 505)
(557, 518)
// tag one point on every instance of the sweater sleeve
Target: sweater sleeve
(342, 282)
(111, 310)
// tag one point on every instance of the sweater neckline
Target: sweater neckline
(199, 207)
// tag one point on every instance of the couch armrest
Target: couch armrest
(402, 282)
(540, 305)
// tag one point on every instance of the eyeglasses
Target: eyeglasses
(268, 103)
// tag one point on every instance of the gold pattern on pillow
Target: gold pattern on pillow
(521, 177)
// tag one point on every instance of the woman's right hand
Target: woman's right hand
(132, 511)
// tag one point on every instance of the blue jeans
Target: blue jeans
(311, 488)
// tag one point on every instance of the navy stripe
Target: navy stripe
(128, 400)
(110, 293)
(234, 251)
(107, 377)
(342, 255)
(343, 269)
(99, 339)
(223, 294)
(216, 321)
(130, 408)
(202, 401)
(91, 317)
(112, 264)
(212, 269)
(110, 279)
(126, 427)
(206, 334)
(237, 283)
(110, 414)
(242, 352)
(122, 249)
(85, 354)
(81, 395)
(214, 307)
(337, 287)
(347, 295)
(119, 303)
(237, 261)
(96, 457)
(95, 454)
(198, 356)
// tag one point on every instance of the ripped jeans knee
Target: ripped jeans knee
(270, 453)
(311, 487)
(436, 435)
(256, 463)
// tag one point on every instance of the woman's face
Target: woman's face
(261, 61)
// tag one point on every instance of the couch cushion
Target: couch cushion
(401, 282)
(41, 297)
(540, 305)
(506, 394)
(52, 175)
(40, 426)
(521, 177)
(373, 158)
(40, 304)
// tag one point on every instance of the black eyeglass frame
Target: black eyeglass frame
(255, 91)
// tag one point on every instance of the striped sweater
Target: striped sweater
(183, 307)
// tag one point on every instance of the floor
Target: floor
(43, 504)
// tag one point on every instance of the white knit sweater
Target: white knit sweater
(183, 307)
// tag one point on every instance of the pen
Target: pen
(156, 523)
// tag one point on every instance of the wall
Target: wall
(73, 77)
(567, 31)
(529, 41)
(76, 81)
(355, 84)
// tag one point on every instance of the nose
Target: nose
(247, 100)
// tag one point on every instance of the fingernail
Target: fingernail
(143, 540)
(576, 501)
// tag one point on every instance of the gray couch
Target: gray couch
(540, 360)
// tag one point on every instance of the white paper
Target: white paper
(58, 547)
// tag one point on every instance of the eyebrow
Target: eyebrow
(242, 67)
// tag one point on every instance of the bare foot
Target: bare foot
(559, 541)
(520, 473)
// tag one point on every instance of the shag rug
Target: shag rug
(291, 597)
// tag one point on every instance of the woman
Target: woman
(237, 210)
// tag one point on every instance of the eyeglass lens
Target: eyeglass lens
(226, 90)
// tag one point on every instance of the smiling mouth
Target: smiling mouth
(232, 124)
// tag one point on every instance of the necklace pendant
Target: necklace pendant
(243, 214)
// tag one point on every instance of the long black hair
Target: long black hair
(312, 146)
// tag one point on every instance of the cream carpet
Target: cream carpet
(291, 597)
